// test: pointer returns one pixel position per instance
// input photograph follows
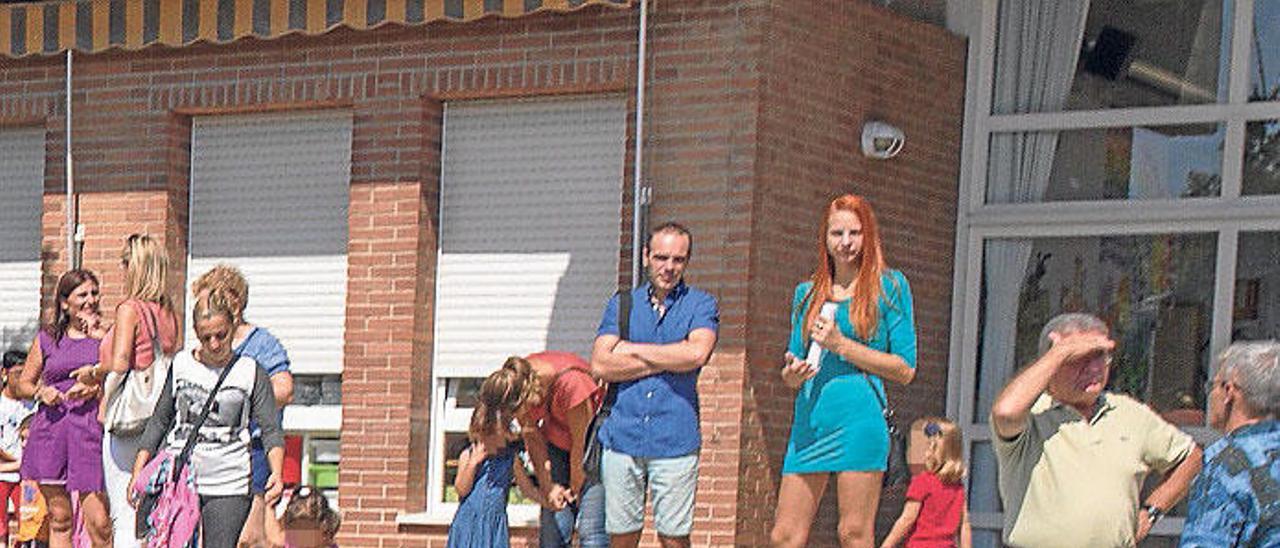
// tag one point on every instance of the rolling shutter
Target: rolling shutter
(531, 202)
(269, 194)
(21, 205)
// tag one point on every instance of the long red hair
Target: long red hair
(864, 311)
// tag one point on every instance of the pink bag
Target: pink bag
(173, 520)
(169, 508)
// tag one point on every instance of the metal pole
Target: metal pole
(638, 198)
(72, 260)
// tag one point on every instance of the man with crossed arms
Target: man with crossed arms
(651, 438)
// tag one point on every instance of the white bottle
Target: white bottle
(814, 356)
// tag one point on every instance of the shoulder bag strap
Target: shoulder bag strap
(110, 397)
(624, 314)
(884, 405)
(156, 349)
(185, 455)
(624, 333)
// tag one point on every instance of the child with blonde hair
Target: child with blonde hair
(935, 513)
(487, 466)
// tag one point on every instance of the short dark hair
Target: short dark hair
(14, 357)
(669, 227)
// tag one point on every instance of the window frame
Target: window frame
(1226, 215)
(449, 418)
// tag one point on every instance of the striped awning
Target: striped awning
(45, 28)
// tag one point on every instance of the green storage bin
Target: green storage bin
(323, 476)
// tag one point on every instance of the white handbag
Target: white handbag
(132, 396)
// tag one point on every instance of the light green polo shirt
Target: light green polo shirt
(1071, 482)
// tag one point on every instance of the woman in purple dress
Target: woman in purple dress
(64, 447)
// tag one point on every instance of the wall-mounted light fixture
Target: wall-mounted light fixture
(881, 140)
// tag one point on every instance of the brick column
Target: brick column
(385, 379)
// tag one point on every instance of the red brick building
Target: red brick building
(752, 121)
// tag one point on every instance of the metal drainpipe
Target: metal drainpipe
(73, 259)
(639, 193)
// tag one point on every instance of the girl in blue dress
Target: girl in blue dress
(487, 466)
(838, 360)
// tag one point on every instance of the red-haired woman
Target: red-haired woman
(865, 336)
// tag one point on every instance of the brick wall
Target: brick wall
(751, 118)
(830, 66)
(700, 159)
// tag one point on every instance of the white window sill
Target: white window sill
(312, 418)
(516, 517)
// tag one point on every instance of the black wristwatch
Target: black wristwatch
(1154, 513)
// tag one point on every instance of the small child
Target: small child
(486, 467)
(935, 513)
(308, 520)
(33, 515)
(13, 411)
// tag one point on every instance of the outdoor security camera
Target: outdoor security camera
(881, 141)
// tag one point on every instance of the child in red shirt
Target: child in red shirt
(935, 514)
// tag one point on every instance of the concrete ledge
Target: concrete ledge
(515, 519)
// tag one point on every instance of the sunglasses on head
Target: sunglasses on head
(931, 429)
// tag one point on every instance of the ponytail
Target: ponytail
(502, 394)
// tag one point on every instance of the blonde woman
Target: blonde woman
(935, 514)
(145, 314)
(254, 342)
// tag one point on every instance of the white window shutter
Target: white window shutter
(531, 204)
(21, 206)
(269, 195)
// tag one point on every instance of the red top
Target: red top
(142, 357)
(568, 390)
(941, 505)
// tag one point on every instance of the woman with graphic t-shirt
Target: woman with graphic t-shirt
(555, 428)
(220, 460)
(255, 342)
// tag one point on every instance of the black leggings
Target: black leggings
(221, 519)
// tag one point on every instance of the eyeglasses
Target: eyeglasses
(1210, 384)
(1091, 358)
(1104, 356)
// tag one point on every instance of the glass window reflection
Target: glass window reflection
(1126, 163)
(1261, 158)
(1073, 55)
(1264, 73)
(1256, 311)
(1155, 291)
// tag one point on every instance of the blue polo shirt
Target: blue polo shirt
(657, 416)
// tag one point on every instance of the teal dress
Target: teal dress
(838, 425)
